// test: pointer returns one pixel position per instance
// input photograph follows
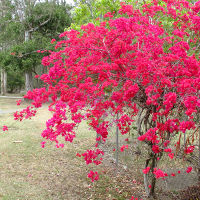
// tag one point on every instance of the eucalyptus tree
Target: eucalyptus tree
(10, 34)
(40, 21)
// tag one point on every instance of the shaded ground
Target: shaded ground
(132, 163)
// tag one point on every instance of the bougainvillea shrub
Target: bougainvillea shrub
(141, 65)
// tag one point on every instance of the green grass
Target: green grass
(29, 172)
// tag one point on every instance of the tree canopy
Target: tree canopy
(29, 26)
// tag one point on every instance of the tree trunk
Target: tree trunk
(29, 81)
(117, 142)
(28, 75)
(149, 178)
(153, 181)
(27, 36)
(3, 82)
(146, 184)
(139, 125)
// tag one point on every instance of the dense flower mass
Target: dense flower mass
(133, 65)
(159, 173)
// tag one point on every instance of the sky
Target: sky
(70, 1)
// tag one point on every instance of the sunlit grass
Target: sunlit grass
(31, 172)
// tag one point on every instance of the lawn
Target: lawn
(33, 173)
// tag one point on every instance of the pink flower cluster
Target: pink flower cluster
(92, 156)
(94, 176)
(26, 113)
(123, 147)
(5, 128)
(159, 173)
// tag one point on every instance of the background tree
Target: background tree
(10, 34)
(86, 11)
(47, 19)
(39, 22)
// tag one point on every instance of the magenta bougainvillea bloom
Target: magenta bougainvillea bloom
(5, 128)
(189, 169)
(127, 68)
